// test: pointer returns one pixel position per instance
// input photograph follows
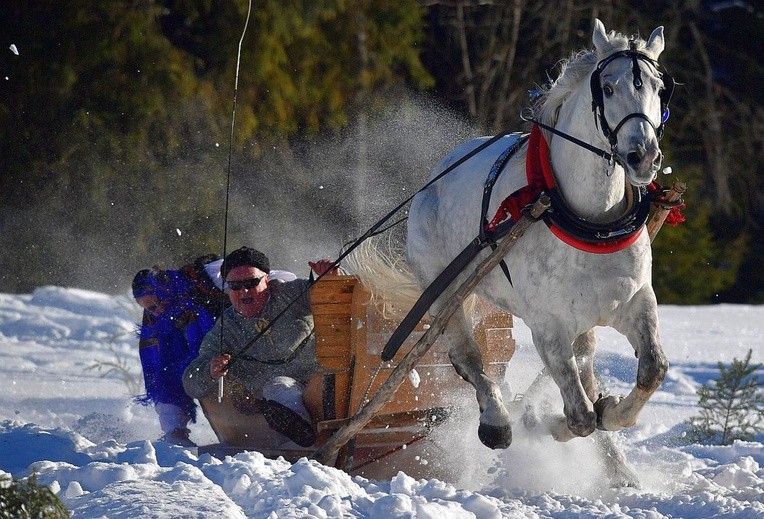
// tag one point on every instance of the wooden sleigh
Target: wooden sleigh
(350, 334)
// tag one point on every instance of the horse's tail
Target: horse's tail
(383, 270)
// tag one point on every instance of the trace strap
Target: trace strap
(430, 294)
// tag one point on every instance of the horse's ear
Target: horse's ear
(599, 36)
(656, 43)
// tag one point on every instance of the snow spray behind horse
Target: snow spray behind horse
(591, 264)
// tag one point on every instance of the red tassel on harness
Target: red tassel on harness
(675, 216)
(512, 207)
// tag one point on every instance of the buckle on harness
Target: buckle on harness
(619, 232)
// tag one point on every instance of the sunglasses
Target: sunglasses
(247, 284)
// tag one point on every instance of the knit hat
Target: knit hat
(245, 256)
(144, 283)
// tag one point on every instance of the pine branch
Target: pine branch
(731, 406)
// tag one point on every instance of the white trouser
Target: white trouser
(286, 391)
(171, 417)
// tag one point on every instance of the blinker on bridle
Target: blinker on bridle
(598, 102)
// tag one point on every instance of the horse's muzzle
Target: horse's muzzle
(641, 163)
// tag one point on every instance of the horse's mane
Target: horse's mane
(575, 70)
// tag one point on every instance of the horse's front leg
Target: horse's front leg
(495, 430)
(640, 325)
(560, 360)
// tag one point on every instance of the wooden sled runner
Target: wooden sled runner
(350, 334)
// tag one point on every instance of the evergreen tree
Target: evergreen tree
(20, 499)
(731, 408)
(114, 118)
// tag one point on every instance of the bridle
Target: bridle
(598, 99)
(598, 103)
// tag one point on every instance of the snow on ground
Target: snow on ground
(76, 427)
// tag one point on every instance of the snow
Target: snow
(77, 428)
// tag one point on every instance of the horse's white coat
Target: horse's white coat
(560, 292)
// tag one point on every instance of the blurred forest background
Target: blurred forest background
(115, 118)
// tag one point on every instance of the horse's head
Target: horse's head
(630, 100)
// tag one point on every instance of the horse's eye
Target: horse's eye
(607, 90)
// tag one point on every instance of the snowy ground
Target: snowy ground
(61, 418)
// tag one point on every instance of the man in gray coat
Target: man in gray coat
(271, 356)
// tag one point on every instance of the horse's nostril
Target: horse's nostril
(634, 158)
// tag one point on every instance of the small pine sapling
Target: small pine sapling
(25, 498)
(731, 406)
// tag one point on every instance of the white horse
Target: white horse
(559, 290)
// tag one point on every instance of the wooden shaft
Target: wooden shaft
(386, 391)
(656, 222)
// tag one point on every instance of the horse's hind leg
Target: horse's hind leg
(538, 413)
(557, 353)
(557, 425)
(618, 473)
(494, 430)
(583, 348)
(640, 325)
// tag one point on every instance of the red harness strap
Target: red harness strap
(538, 170)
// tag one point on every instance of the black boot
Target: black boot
(178, 436)
(289, 423)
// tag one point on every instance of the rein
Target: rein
(526, 114)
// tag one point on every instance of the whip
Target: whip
(228, 175)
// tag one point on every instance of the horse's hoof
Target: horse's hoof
(625, 480)
(619, 474)
(531, 420)
(494, 436)
(601, 406)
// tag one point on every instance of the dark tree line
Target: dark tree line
(115, 121)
